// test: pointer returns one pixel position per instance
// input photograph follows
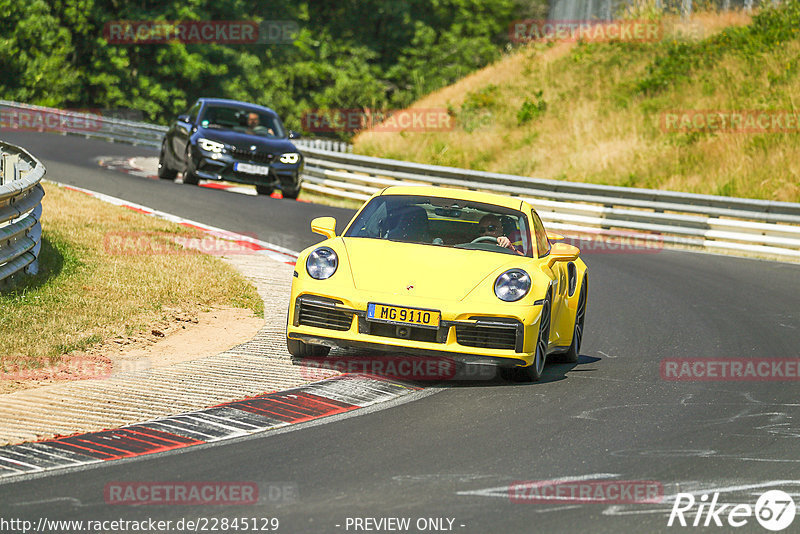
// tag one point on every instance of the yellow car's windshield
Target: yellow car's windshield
(444, 222)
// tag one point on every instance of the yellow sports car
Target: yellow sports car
(436, 271)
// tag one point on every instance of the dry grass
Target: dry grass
(88, 291)
(595, 129)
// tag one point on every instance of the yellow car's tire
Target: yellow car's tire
(298, 349)
(533, 372)
(573, 353)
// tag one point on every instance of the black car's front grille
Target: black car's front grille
(321, 315)
(247, 155)
(488, 336)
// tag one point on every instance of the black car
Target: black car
(234, 141)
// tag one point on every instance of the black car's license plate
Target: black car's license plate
(248, 168)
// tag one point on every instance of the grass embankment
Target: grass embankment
(592, 112)
(100, 278)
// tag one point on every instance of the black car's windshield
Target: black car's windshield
(242, 120)
(444, 222)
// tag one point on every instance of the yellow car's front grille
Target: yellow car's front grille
(487, 336)
(321, 316)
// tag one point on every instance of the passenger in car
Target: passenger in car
(409, 224)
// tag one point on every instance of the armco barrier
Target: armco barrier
(706, 222)
(21, 196)
(16, 116)
(735, 225)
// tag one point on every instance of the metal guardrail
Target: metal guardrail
(323, 144)
(16, 116)
(21, 196)
(706, 222)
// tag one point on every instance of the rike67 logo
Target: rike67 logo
(774, 510)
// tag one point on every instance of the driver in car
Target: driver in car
(489, 225)
(254, 126)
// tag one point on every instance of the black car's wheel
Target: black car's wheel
(533, 372)
(264, 189)
(298, 349)
(164, 172)
(189, 176)
(291, 193)
(571, 356)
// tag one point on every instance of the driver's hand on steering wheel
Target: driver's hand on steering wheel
(504, 242)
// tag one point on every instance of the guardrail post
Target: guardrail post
(9, 168)
(686, 9)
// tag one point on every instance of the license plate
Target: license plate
(251, 169)
(401, 315)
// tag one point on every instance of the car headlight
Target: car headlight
(512, 285)
(210, 146)
(322, 263)
(290, 158)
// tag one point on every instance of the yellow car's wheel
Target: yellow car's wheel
(577, 337)
(298, 349)
(533, 372)
(572, 354)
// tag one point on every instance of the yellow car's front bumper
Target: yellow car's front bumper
(503, 334)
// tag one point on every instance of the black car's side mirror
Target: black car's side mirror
(294, 135)
(183, 118)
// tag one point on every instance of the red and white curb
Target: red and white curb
(270, 250)
(270, 411)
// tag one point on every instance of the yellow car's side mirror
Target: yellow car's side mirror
(325, 226)
(562, 252)
(554, 237)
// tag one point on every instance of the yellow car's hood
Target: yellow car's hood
(381, 266)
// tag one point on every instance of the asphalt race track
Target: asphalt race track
(454, 454)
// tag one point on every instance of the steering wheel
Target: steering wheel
(485, 239)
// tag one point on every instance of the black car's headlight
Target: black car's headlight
(210, 146)
(322, 263)
(290, 158)
(512, 285)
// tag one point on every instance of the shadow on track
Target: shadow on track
(430, 371)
